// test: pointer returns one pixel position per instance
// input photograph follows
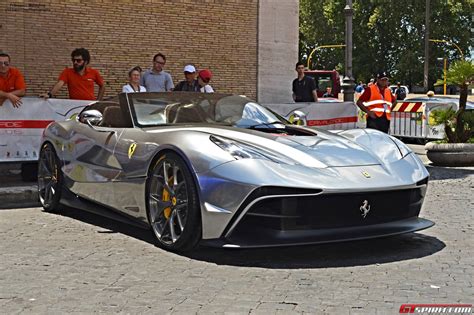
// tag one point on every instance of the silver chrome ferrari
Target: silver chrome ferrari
(221, 170)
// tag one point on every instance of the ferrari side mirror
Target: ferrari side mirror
(298, 118)
(91, 117)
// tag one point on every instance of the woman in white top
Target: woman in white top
(133, 84)
(204, 77)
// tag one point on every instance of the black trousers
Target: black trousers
(379, 123)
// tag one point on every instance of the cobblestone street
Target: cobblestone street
(76, 262)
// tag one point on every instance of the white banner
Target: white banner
(327, 115)
(21, 128)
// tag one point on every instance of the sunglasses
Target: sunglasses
(4, 63)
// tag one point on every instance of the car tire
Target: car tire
(173, 209)
(50, 179)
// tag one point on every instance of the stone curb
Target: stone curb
(450, 154)
(449, 147)
(19, 196)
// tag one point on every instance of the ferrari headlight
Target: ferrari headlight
(239, 151)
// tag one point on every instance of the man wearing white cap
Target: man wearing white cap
(190, 84)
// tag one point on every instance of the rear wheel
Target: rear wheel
(49, 178)
(172, 204)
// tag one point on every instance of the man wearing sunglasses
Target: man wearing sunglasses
(156, 79)
(12, 82)
(80, 78)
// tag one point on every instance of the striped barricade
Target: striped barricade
(407, 120)
(413, 120)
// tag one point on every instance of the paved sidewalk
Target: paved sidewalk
(80, 263)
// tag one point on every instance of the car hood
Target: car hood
(324, 149)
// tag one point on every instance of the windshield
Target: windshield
(155, 109)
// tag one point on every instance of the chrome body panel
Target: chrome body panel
(109, 166)
(217, 183)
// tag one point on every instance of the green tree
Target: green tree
(387, 35)
(320, 24)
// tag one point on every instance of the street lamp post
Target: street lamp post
(348, 81)
(427, 46)
(445, 63)
(308, 63)
(445, 60)
(449, 43)
(444, 74)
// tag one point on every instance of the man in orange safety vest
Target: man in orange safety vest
(376, 102)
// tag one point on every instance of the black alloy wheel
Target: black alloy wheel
(49, 178)
(172, 204)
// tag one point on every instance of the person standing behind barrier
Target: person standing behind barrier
(156, 79)
(204, 77)
(304, 87)
(376, 102)
(12, 82)
(80, 78)
(359, 88)
(328, 92)
(400, 92)
(190, 84)
(133, 84)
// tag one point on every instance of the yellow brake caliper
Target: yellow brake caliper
(166, 197)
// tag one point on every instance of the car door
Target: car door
(133, 152)
(92, 165)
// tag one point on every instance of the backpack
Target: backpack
(400, 93)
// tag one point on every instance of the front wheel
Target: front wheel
(49, 178)
(172, 204)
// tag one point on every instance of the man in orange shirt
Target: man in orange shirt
(12, 82)
(79, 79)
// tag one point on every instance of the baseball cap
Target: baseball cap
(382, 74)
(189, 68)
(205, 75)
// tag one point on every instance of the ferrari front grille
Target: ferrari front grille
(332, 210)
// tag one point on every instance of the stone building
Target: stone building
(251, 46)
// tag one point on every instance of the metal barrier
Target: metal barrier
(21, 128)
(326, 114)
(407, 124)
(413, 120)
